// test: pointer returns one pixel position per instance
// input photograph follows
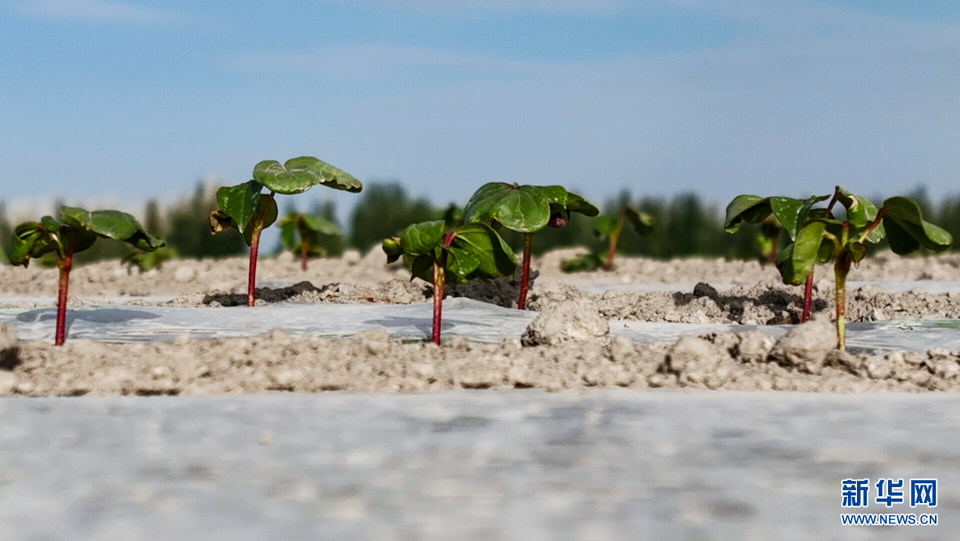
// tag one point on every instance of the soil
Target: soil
(185, 276)
(572, 356)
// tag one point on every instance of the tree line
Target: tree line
(686, 225)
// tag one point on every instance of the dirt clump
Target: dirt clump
(573, 321)
(805, 347)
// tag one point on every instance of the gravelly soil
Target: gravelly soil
(111, 279)
(803, 360)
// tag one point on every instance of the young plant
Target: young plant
(525, 209)
(301, 234)
(246, 208)
(472, 250)
(823, 237)
(146, 261)
(787, 213)
(609, 228)
(76, 230)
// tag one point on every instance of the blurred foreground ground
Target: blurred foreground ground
(482, 465)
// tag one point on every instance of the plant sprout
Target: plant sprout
(473, 250)
(76, 230)
(525, 209)
(609, 228)
(300, 234)
(787, 213)
(244, 207)
(146, 261)
(823, 237)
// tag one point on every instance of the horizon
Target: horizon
(662, 98)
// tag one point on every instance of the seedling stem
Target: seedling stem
(64, 264)
(614, 237)
(525, 275)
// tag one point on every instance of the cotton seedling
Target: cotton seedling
(823, 237)
(525, 209)
(470, 251)
(75, 231)
(246, 208)
(609, 228)
(302, 234)
(777, 213)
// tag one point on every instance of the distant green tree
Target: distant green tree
(385, 210)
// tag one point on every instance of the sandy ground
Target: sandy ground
(180, 277)
(757, 297)
(568, 347)
(557, 352)
(470, 466)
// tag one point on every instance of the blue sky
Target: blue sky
(117, 101)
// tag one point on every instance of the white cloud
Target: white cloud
(99, 11)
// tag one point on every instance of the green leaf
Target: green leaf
(288, 233)
(240, 202)
(524, 209)
(111, 224)
(50, 224)
(479, 252)
(858, 251)
(266, 213)
(798, 259)
(556, 195)
(793, 213)
(605, 226)
(300, 174)
(585, 263)
(320, 225)
(860, 213)
(907, 230)
(420, 266)
(420, 239)
(642, 222)
(29, 241)
(576, 203)
(746, 208)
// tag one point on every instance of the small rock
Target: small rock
(755, 346)
(877, 315)
(699, 363)
(265, 437)
(845, 360)
(806, 346)
(570, 321)
(879, 368)
(8, 382)
(185, 274)
(704, 289)
(286, 257)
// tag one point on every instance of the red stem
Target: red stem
(65, 265)
(614, 237)
(807, 297)
(525, 276)
(438, 280)
(303, 256)
(252, 276)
